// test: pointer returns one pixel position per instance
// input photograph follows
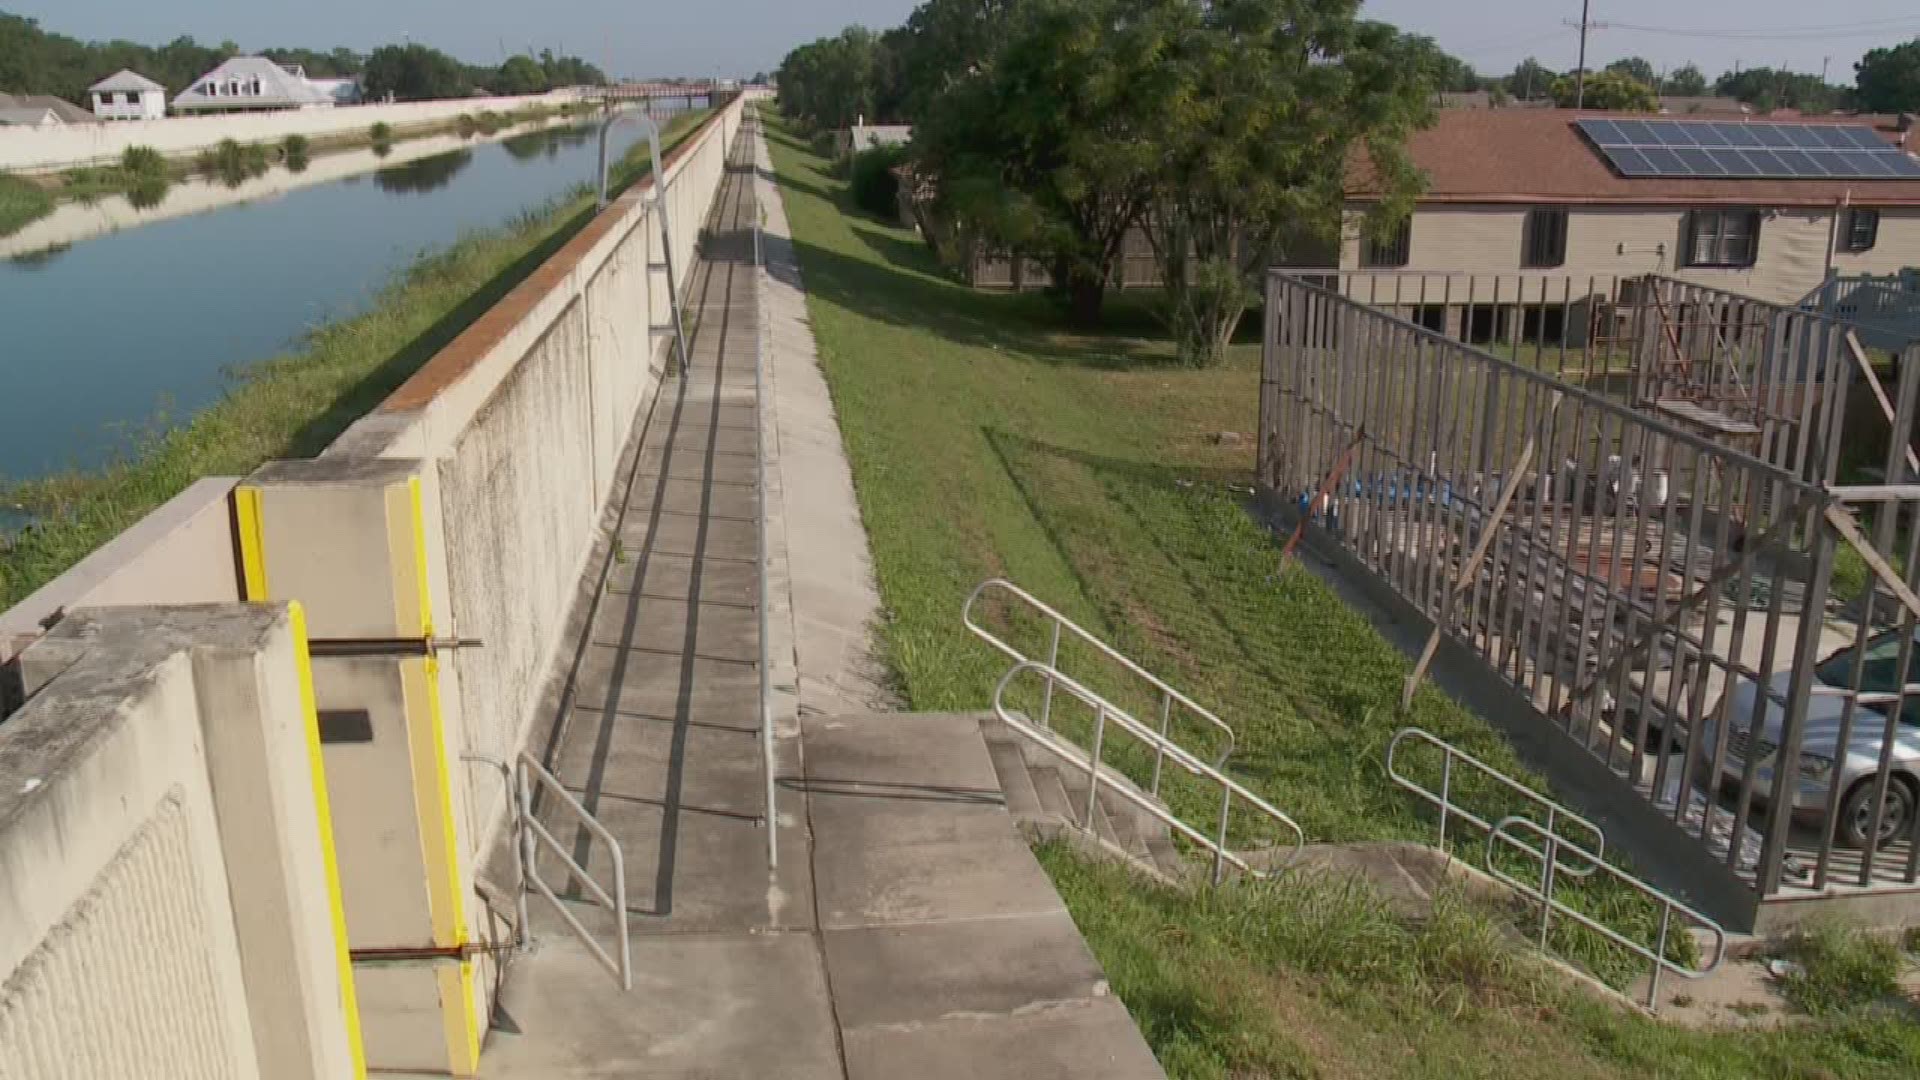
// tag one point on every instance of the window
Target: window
(1723, 237)
(1863, 230)
(1546, 242)
(1395, 250)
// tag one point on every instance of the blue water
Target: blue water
(122, 335)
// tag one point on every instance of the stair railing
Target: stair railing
(1164, 748)
(1169, 697)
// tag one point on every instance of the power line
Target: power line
(1803, 33)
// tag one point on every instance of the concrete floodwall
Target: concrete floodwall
(166, 876)
(524, 417)
(181, 553)
(30, 150)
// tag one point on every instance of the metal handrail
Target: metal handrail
(1105, 710)
(1556, 813)
(1549, 853)
(1168, 695)
(760, 494)
(532, 772)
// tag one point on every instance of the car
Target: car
(1855, 768)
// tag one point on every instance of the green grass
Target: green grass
(294, 405)
(22, 202)
(985, 440)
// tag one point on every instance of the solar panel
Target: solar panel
(1760, 151)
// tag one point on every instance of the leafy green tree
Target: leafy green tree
(1637, 68)
(1441, 70)
(415, 73)
(829, 83)
(1277, 94)
(948, 40)
(1609, 90)
(1057, 148)
(1888, 80)
(1530, 79)
(520, 75)
(1767, 89)
(1685, 81)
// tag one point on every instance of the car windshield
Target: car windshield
(1879, 674)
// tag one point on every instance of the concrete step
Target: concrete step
(1053, 795)
(1016, 783)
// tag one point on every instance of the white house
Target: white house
(128, 95)
(251, 84)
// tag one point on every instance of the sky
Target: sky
(739, 37)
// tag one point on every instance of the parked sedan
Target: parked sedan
(1823, 762)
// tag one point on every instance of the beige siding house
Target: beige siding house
(1519, 200)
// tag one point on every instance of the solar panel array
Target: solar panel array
(1761, 151)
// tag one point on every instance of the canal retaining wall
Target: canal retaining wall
(435, 551)
(39, 150)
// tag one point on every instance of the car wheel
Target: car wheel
(1856, 812)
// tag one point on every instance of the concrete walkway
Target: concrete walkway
(908, 931)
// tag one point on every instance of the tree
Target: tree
(829, 83)
(948, 40)
(1767, 89)
(1277, 94)
(1442, 70)
(1609, 90)
(1056, 148)
(415, 73)
(1686, 82)
(1530, 79)
(1637, 68)
(520, 75)
(1888, 80)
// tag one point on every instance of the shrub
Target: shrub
(295, 146)
(1841, 968)
(142, 162)
(467, 126)
(381, 132)
(875, 189)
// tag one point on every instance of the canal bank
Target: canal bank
(293, 404)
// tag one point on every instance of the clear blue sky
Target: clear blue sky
(700, 37)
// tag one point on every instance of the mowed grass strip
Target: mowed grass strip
(22, 202)
(986, 441)
(294, 405)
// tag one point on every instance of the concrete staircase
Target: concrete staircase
(1047, 797)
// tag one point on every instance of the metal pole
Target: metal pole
(1580, 73)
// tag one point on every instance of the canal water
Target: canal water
(115, 335)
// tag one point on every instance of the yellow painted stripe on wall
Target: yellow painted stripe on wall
(432, 774)
(250, 524)
(349, 999)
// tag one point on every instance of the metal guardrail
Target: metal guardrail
(760, 494)
(1548, 853)
(533, 834)
(1443, 799)
(1163, 747)
(1168, 695)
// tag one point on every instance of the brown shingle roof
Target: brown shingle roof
(1536, 155)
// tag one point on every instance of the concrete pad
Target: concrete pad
(860, 884)
(639, 758)
(698, 436)
(690, 496)
(898, 975)
(1071, 1041)
(671, 577)
(702, 1008)
(721, 631)
(939, 750)
(680, 534)
(655, 684)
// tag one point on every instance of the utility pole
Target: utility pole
(1580, 73)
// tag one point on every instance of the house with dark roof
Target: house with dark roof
(1538, 197)
(128, 95)
(251, 84)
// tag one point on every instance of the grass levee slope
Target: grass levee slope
(1097, 472)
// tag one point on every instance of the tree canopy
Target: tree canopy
(1685, 81)
(1767, 89)
(35, 61)
(1530, 79)
(1605, 90)
(1888, 80)
(1637, 68)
